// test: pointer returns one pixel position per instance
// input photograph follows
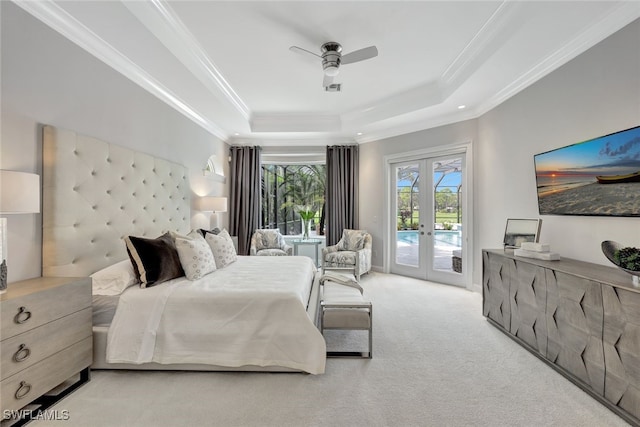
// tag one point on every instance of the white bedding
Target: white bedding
(252, 312)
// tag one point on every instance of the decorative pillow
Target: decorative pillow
(195, 255)
(154, 260)
(353, 240)
(269, 239)
(222, 247)
(114, 279)
(204, 232)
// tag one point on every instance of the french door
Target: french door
(427, 218)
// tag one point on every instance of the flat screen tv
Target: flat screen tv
(600, 177)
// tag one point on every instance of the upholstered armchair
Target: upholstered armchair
(352, 251)
(269, 242)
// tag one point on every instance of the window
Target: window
(288, 189)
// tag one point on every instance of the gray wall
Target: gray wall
(46, 79)
(595, 94)
(372, 174)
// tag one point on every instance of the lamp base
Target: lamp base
(213, 221)
(3, 255)
(3, 276)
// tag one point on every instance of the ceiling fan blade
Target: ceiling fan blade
(360, 55)
(303, 51)
(327, 81)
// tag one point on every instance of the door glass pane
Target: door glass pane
(408, 214)
(447, 234)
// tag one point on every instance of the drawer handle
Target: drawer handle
(22, 354)
(22, 316)
(23, 390)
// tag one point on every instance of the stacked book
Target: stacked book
(537, 251)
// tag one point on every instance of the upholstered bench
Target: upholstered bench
(343, 306)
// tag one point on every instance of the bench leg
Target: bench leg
(352, 354)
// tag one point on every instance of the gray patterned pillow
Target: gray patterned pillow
(222, 247)
(353, 240)
(269, 239)
(195, 255)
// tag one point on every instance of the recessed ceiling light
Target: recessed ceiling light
(236, 134)
(359, 133)
(461, 107)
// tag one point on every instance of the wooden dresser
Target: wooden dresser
(582, 319)
(46, 338)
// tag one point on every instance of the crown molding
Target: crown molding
(413, 99)
(416, 126)
(59, 20)
(295, 122)
(474, 53)
(315, 141)
(618, 18)
(162, 21)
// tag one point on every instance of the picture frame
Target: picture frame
(519, 230)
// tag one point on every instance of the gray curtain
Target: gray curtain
(245, 180)
(341, 191)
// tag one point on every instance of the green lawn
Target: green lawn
(441, 217)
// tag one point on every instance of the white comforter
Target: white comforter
(252, 312)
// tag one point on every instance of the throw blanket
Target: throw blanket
(252, 312)
(342, 279)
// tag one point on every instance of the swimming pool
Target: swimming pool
(442, 237)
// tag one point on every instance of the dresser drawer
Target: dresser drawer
(22, 310)
(26, 349)
(20, 389)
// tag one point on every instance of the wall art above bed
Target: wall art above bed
(599, 177)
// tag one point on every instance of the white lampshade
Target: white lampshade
(212, 204)
(20, 192)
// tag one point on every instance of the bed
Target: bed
(247, 316)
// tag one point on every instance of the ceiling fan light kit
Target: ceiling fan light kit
(332, 58)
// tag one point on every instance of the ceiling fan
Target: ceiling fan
(331, 55)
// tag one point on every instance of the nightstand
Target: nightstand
(46, 339)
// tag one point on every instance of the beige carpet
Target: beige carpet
(437, 362)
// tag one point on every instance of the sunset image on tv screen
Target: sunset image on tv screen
(600, 176)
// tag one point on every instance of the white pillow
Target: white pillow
(114, 279)
(222, 247)
(195, 255)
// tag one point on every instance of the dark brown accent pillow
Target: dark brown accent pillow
(154, 260)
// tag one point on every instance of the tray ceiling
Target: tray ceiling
(227, 65)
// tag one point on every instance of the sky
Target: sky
(612, 154)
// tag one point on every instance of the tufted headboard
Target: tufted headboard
(95, 193)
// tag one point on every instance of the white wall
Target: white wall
(595, 94)
(46, 79)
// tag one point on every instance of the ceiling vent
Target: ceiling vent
(334, 87)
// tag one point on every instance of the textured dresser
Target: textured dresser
(582, 319)
(45, 338)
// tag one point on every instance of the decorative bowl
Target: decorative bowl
(609, 249)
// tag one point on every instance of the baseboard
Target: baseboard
(475, 288)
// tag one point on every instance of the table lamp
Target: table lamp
(214, 205)
(20, 194)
